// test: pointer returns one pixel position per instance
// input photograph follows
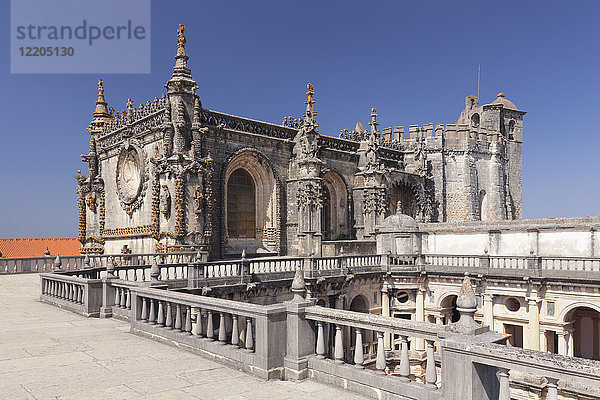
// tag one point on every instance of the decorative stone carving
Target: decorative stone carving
(375, 200)
(90, 200)
(165, 201)
(310, 194)
(131, 177)
(198, 197)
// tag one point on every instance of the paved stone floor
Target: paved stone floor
(49, 353)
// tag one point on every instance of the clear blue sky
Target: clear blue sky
(414, 61)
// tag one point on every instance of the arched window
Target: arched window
(511, 130)
(475, 120)
(326, 214)
(241, 205)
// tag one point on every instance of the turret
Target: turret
(181, 95)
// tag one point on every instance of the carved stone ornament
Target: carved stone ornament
(131, 176)
(90, 200)
(198, 197)
(165, 201)
(310, 194)
(375, 200)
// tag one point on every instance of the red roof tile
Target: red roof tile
(37, 246)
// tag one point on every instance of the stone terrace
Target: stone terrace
(49, 353)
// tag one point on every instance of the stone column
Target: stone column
(488, 310)
(562, 343)
(570, 347)
(596, 339)
(534, 324)
(420, 316)
(385, 311)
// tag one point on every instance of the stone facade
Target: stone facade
(164, 175)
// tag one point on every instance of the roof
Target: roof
(501, 99)
(37, 246)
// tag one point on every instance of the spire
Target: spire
(101, 109)
(373, 122)
(309, 115)
(100, 116)
(181, 71)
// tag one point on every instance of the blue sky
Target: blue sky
(414, 61)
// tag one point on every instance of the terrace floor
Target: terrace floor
(50, 353)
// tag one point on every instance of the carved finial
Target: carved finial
(298, 285)
(154, 270)
(129, 104)
(373, 122)
(399, 207)
(110, 267)
(100, 90)
(57, 263)
(181, 41)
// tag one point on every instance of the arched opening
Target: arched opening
(334, 212)
(586, 336)
(449, 310)
(405, 194)
(483, 206)
(241, 205)
(359, 304)
(326, 214)
(511, 130)
(475, 120)
(250, 207)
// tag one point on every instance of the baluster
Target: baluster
(320, 340)
(404, 361)
(210, 334)
(339, 345)
(169, 321)
(152, 314)
(199, 330)
(123, 300)
(144, 316)
(430, 370)
(504, 384)
(53, 289)
(117, 297)
(235, 332)
(249, 340)
(222, 333)
(161, 313)
(178, 323)
(552, 387)
(380, 362)
(80, 294)
(359, 357)
(127, 299)
(188, 320)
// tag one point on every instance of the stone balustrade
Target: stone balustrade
(81, 295)
(11, 265)
(400, 382)
(246, 336)
(560, 374)
(287, 341)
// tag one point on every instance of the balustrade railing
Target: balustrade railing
(77, 294)
(359, 324)
(560, 374)
(241, 334)
(570, 263)
(508, 262)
